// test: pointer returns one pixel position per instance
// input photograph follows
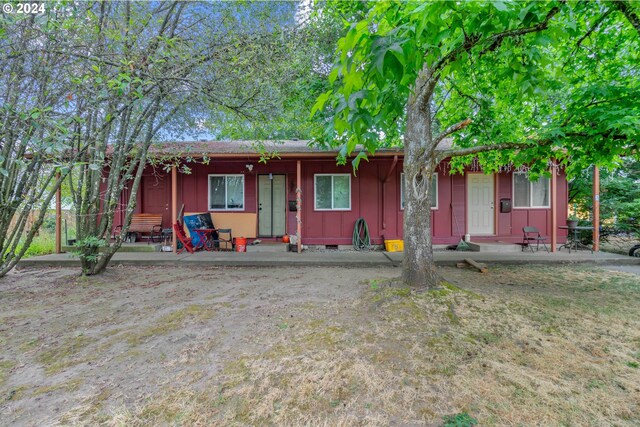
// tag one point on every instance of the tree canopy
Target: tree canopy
(511, 82)
(546, 74)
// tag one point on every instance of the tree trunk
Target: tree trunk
(419, 269)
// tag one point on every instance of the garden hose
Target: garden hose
(361, 239)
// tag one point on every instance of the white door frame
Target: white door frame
(490, 231)
(281, 213)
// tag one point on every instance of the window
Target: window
(528, 194)
(434, 191)
(332, 192)
(226, 192)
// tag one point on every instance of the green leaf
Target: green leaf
(500, 5)
(320, 102)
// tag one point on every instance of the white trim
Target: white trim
(433, 208)
(468, 204)
(513, 192)
(225, 192)
(315, 194)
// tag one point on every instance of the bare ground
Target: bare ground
(319, 346)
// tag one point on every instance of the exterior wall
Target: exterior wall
(377, 202)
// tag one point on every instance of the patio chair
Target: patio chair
(218, 239)
(179, 234)
(531, 235)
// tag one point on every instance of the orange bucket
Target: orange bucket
(241, 244)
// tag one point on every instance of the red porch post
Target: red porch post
(299, 205)
(174, 205)
(554, 206)
(596, 208)
(58, 217)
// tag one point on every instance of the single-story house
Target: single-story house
(259, 200)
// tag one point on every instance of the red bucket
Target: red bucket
(241, 244)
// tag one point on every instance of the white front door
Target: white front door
(479, 204)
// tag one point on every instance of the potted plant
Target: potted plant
(572, 221)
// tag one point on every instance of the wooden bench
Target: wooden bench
(144, 223)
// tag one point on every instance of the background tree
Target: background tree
(36, 125)
(154, 71)
(619, 196)
(517, 83)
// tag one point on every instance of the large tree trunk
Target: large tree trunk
(419, 269)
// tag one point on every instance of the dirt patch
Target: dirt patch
(329, 346)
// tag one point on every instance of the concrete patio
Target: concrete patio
(334, 258)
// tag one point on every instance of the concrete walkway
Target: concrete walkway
(333, 258)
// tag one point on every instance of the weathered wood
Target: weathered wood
(480, 267)
(145, 223)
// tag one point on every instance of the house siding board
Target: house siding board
(441, 217)
(458, 207)
(504, 226)
(380, 208)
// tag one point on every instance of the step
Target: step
(495, 247)
(130, 247)
(268, 247)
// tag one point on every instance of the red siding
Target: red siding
(377, 202)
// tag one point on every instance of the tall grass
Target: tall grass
(43, 244)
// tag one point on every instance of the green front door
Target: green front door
(271, 205)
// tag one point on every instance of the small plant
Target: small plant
(89, 247)
(634, 365)
(461, 419)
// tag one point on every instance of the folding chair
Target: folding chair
(179, 234)
(532, 234)
(218, 239)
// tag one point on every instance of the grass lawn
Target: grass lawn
(319, 346)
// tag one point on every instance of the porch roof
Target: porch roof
(231, 148)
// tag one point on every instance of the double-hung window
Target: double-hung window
(434, 191)
(530, 194)
(226, 192)
(332, 192)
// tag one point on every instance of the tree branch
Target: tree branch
(594, 27)
(451, 129)
(631, 15)
(465, 151)
(494, 41)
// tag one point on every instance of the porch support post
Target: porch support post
(596, 208)
(554, 206)
(58, 217)
(299, 205)
(174, 206)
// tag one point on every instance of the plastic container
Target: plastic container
(394, 245)
(241, 244)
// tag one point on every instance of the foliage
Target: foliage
(619, 195)
(461, 419)
(36, 127)
(512, 83)
(42, 244)
(88, 249)
(149, 75)
(286, 78)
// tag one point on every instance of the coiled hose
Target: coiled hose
(361, 240)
